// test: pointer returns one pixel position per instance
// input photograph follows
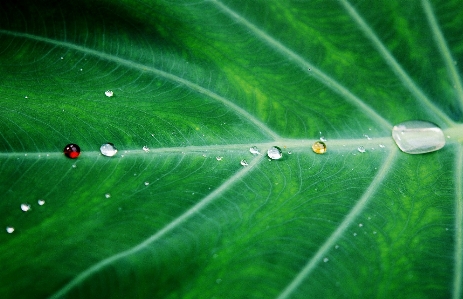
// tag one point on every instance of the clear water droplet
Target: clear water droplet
(336, 246)
(108, 149)
(146, 149)
(41, 202)
(74, 165)
(274, 153)
(9, 229)
(355, 234)
(244, 163)
(382, 146)
(322, 139)
(109, 93)
(219, 158)
(107, 195)
(254, 150)
(319, 147)
(325, 260)
(367, 137)
(147, 183)
(290, 152)
(360, 224)
(361, 149)
(418, 137)
(25, 207)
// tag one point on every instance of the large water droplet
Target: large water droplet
(319, 147)
(108, 149)
(418, 137)
(274, 153)
(72, 151)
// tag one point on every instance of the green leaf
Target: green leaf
(199, 83)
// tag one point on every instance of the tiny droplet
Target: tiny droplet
(107, 195)
(319, 147)
(41, 202)
(254, 150)
(9, 229)
(274, 153)
(361, 149)
(382, 146)
(25, 207)
(418, 137)
(360, 224)
(147, 183)
(219, 158)
(72, 151)
(326, 259)
(109, 93)
(244, 163)
(322, 139)
(108, 150)
(146, 149)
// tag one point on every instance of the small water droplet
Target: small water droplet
(325, 260)
(418, 137)
(147, 183)
(374, 233)
(109, 93)
(204, 155)
(41, 202)
(367, 137)
(25, 207)
(274, 153)
(108, 149)
(244, 163)
(382, 146)
(107, 195)
(61, 57)
(80, 70)
(72, 151)
(146, 149)
(319, 147)
(9, 229)
(254, 150)
(360, 224)
(355, 234)
(322, 139)
(361, 149)
(336, 246)
(219, 158)
(290, 152)
(74, 165)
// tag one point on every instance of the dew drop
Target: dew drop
(108, 150)
(361, 149)
(146, 149)
(290, 152)
(322, 139)
(367, 137)
(418, 137)
(72, 151)
(382, 146)
(109, 93)
(360, 224)
(274, 153)
(254, 150)
(107, 195)
(244, 163)
(41, 202)
(355, 234)
(325, 260)
(319, 147)
(146, 183)
(25, 207)
(336, 246)
(9, 229)
(74, 165)
(219, 158)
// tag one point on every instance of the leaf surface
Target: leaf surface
(197, 83)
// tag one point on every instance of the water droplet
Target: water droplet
(322, 139)
(147, 183)
(61, 57)
(367, 137)
(109, 93)
(336, 246)
(374, 233)
(319, 147)
(418, 137)
(108, 150)
(360, 224)
(382, 146)
(74, 165)
(9, 229)
(107, 195)
(290, 152)
(219, 158)
(25, 207)
(72, 151)
(244, 163)
(254, 150)
(274, 153)
(361, 149)
(355, 234)
(41, 202)
(325, 260)
(146, 149)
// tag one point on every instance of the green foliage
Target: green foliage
(199, 83)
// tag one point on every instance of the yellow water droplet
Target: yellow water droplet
(319, 147)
